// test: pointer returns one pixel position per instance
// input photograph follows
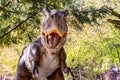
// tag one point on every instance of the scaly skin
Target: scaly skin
(45, 58)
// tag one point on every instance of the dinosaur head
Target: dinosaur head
(54, 29)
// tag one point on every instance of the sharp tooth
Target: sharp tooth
(56, 31)
(57, 46)
(60, 34)
(48, 45)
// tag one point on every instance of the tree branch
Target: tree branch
(112, 11)
(3, 9)
(7, 4)
(117, 22)
(117, 26)
(18, 25)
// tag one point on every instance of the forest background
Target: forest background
(92, 46)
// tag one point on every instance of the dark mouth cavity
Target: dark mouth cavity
(53, 39)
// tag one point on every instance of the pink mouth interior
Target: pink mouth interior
(53, 40)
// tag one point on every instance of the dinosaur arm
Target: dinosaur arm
(24, 66)
(29, 59)
(32, 58)
(64, 67)
(63, 60)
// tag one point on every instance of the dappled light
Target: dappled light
(93, 38)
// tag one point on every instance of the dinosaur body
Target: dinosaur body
(45, 57)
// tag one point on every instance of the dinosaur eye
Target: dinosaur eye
(59, 25)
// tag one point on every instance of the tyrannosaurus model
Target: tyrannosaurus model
(45, 58)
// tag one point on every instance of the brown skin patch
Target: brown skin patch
(57, 75)
(22, 74)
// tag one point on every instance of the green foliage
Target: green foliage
(93, 51)
(92, 44)
(18, 19)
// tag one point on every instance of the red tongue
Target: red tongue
(53, 40)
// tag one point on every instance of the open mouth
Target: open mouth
(53, 38)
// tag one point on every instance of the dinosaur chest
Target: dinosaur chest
(48, 65)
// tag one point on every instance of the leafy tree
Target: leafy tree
(90, 51)
(20, 19)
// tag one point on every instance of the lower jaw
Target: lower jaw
(56, 47)
(54, 51)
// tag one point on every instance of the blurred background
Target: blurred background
(93, 44)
